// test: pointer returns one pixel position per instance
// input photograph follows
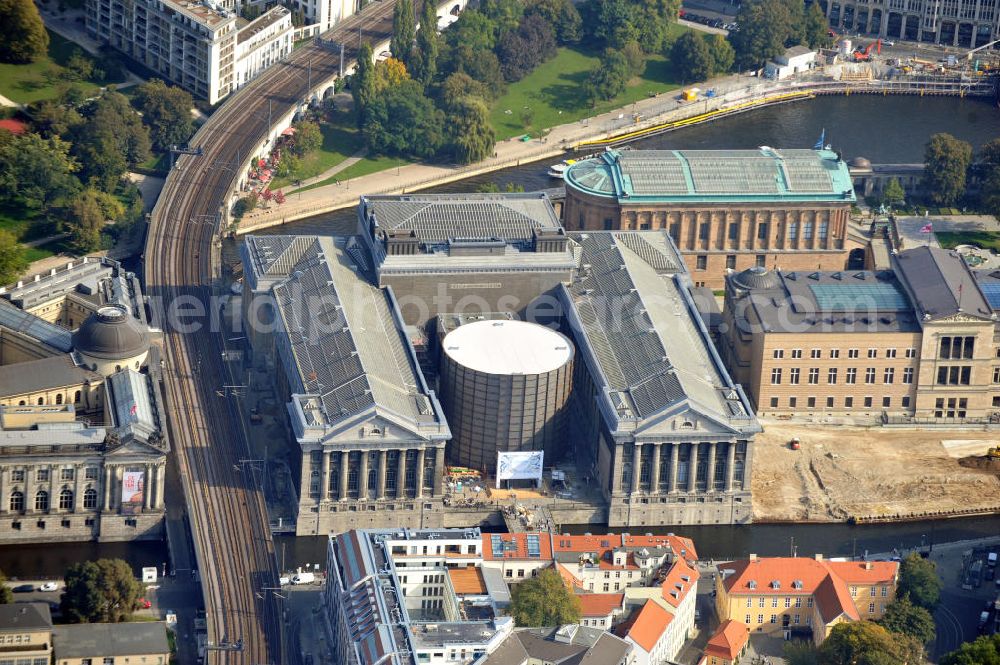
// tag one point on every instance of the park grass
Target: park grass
(39, 80)
(363, 167)
(341, 139)
(984, 239)
(554, 91)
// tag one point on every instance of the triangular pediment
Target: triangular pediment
(684, 417)
(133, 447)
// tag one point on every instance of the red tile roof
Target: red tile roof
(516, 546)
(571, 580)
(14, 126)
(864, 572)
(647, 625)
(606, 543)
(728, 641)
(600, 604)
(833, 600)
(675, 582)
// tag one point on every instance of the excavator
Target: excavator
(865, 55)
(993, 453)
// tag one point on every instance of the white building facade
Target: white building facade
(266, 40)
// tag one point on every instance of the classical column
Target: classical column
(119, 478)
(382, 459)
(401, 480)
(78, 471)
(363, 476)
(4, 499)
(675, 453)
(636, 465)
(161, 480)
(439, 471)
(107, 487)
(730, 465)
(30, 474)
(654, 483)
(710, 485)
(345, 457)
(324, 479)
(147, 487)
(693, 469)
(420, 473)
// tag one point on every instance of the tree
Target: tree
(100, 591)
(816, 31)
(562, 15)
(636, 58)
(867, 643)
(111, 139)
(247, 204)
(388, 73)
(652, 19)
(457, 87)
(13, 263)
(902, 616)
(765, 28)
(473, 30)
(893, 193)
(988, 168)
(691, 58)
(611, 22)
(403, 31)
(78, 67)
(505, 15)
(425, 63)
(308, 138)
(51, 119)
(363, 82)
(481, 65)
(609, 78)
(798, 652)
(516, 57)
(989, 155)
(946, 162)
(23, 37)
(166, 111)
(722, 53)
(918, 579)
(495, 188)
(544, 601)
(35, 171)
(473, 137)
(87, 216)
(984, 651)
(403, 122)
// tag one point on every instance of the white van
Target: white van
(303, 578)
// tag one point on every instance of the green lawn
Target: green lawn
(984, 239)
(365, 166)
(41, 80)
(554, 91)
(341, 139)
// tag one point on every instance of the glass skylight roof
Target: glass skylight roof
(859, 297)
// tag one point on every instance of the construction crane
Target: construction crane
(968, 56)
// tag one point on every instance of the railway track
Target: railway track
(228, 517)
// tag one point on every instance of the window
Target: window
(66, 499)
(905, 402)
(907, 375)
(870, 375)
(811, 402)
(792, 401)
(871, 608)
(760, 602)
(760, 260)
(954, 375)
(66, 474)
(996, 375)
(873, 353)
(793, 375)
(793, 231)
(831, 376)
(90, 498)
(814, 375)
(796, 619)
(953, 348)
(890, 353)
(852, 353)
(780, 353)
(608, 224)
(848, 402)
(798, 602)
(852, 375)
(788, 602)
(734, 231)
(868, 402)
(815, 353)
(885, 591)
(809, 602)
(749, 601)
(748, 620)
(731, 261)
(796, 353)
(890, 374)
(911, 353)
(703, 231)
(701, 262)
(760, 618)
(829, 402)
(872, 592)
(42, 475)
(834, 353)
(762, 231)
(886, 402)
(41, 500)
(774, 602)
(824, 230)
(774, 402)
(17, 476)
(776, 376)
(16, 501)
(774, 618)
(807, 230)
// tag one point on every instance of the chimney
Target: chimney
(753, 557)
(868, 565)
(819, 557)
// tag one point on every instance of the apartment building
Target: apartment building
(787, 596)
(138, 643)
(963, 23)
(916, 342)
(724, 209)
(196, 44)
(26, 633)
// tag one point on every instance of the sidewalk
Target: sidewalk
(510, 152)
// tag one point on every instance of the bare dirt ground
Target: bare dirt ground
(846, 472)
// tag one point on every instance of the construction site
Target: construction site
(807, 474)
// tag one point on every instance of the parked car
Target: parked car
(304, 578)
(49, 586)
(144, 604)
(23, 588)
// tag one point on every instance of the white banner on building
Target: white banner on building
(133, 483)
(520, 465)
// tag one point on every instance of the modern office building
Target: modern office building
(201, 46)
(965, 23)
(915, 343)
(655, 414)
(788, 596)
(371, 433)
(724, 209)
(82, 442)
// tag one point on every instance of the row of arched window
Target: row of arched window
(41, 500)
(59, 399)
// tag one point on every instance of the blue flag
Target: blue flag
(822, 140)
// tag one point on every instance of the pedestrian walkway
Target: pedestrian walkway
(8, 103)
(334, 170)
